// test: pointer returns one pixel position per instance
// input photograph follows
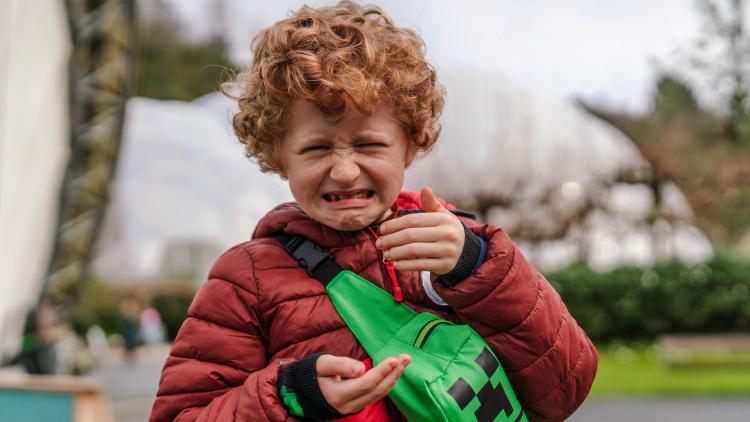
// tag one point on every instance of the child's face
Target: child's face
(347, 173)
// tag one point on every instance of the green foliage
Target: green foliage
(171, 68)
(724, 32)
(99, 305)
(173, 307)
(180, 71)
(673, 96)
(631, 303)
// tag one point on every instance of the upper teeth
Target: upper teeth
(358, 195)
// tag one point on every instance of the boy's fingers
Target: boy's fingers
(437, 266)
(358, 387)
(404, 359)
(421, 219)
(418, 251)
(382, 388)
(411, 235)
(330, 365)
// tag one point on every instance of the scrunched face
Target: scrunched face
(345, 173)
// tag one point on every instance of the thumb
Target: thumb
(330, 366)
(430, 202)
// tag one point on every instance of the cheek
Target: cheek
(388, 178)
(390, 172)
(301, 185)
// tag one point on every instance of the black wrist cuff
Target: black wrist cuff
(301, 378)
(466, 262)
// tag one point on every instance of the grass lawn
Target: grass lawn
(636, 370)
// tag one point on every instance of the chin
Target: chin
(351, 223)
(349, 226)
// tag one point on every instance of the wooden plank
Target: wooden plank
(707, 342)
(705, 350)
(67, 384)
(60, 398)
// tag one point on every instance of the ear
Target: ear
(411, 153)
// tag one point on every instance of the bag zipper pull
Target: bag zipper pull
(397, 295)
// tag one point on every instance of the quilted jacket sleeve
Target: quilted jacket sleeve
(549, 360)
(217, 369)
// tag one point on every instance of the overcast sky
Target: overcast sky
(601, 51)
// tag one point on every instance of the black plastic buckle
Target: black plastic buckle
(309, 254)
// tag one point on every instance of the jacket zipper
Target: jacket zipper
(389, 273)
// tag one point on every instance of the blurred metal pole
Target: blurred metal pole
(100, 81)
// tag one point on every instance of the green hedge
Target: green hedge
(670, 297)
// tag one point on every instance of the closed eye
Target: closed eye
(315, 148)
(371, 145)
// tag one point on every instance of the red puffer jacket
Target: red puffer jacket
(260, 310)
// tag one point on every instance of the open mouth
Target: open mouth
(339, 196)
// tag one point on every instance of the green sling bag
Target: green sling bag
(453, 376)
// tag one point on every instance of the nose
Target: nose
(344, 168)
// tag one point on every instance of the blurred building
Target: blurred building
(189, 258)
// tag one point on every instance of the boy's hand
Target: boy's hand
(429, 241)
(348, 388)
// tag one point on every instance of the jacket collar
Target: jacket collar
(289, 218)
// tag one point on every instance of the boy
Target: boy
(338, 101)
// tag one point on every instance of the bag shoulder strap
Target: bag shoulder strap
(316, 260)
(369, 311)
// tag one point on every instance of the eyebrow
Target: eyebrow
(370, 133)
(315, 137)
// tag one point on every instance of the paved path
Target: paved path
(132, 387)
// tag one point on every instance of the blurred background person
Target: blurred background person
(131, 327)
(152, 330)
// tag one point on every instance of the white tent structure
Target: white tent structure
(184, 192)
(35, 45)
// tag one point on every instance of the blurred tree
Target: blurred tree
(706, 154)
(690, 147)
(172, 68)
(723, 54)
(673, 96)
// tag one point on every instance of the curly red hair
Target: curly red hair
(335, 56)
